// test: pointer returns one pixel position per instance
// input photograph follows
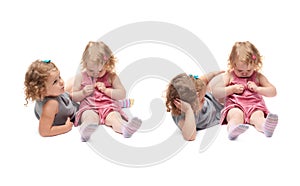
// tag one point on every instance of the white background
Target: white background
(59, 30)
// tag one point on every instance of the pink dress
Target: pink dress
(248, 101)
(98, 101)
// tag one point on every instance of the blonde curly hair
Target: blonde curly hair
(36, 78)
(185, 88)
(245, 52)
(99, 53)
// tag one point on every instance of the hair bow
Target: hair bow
(105, 58)
(195, 76)
(46, 61)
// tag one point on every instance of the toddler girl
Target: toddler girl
(191, 106)
(245, 87)
(53, 107)
(98, 88)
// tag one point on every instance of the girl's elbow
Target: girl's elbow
(189, 137)
(275, 92)
(123, 95)
(43, 134)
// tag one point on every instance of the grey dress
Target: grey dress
(208, 116)
(67, 108)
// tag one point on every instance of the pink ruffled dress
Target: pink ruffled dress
(248, 101)
(98, 101)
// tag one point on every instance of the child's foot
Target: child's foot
(270, 124)
(237, 130)
(131, 127)
(126, 103)
(86, 131)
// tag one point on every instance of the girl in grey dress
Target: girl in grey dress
(53, 107)
(191, 106)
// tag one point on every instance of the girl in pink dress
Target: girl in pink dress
(98, 89)
(244, 89)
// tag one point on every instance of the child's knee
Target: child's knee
(235, 114)
(89, 116)
(257, 117)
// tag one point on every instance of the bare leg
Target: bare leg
(89, 123)
(257, 119)
(235, 127)
(115, 120)
(234, 117)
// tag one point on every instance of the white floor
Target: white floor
(59, 31)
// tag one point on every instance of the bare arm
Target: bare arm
(77, 94)
(188, 124)
(209, 76)
(221, 89)
(265, 88)
(117, 92)
(50, 109)
(218, 88)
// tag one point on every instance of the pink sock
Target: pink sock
(131, 127)
(235, 131)
(270, 124)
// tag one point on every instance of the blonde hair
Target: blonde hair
(36, 78)
(245, 52)
(99, 53)
(185, 88)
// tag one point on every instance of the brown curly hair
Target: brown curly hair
(185, 88)
(99, 53)
(245, 52)
(36, 78)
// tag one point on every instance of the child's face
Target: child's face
(54, 84)
(94, 70)
(243, 70)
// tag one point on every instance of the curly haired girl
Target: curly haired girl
(191, 106)
(53, 107)
(245, 87)
(98, 89)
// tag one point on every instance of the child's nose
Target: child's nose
(61, 82)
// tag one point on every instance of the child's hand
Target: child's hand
(182, 105)
(69, 124)
(100, 86)
(252, 86)
(88, 90)
(238, 88)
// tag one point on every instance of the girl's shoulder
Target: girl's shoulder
(227, 77)
(51, 106)
(259, 74)
(260, 77)
(78, 76)
(112, 76)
